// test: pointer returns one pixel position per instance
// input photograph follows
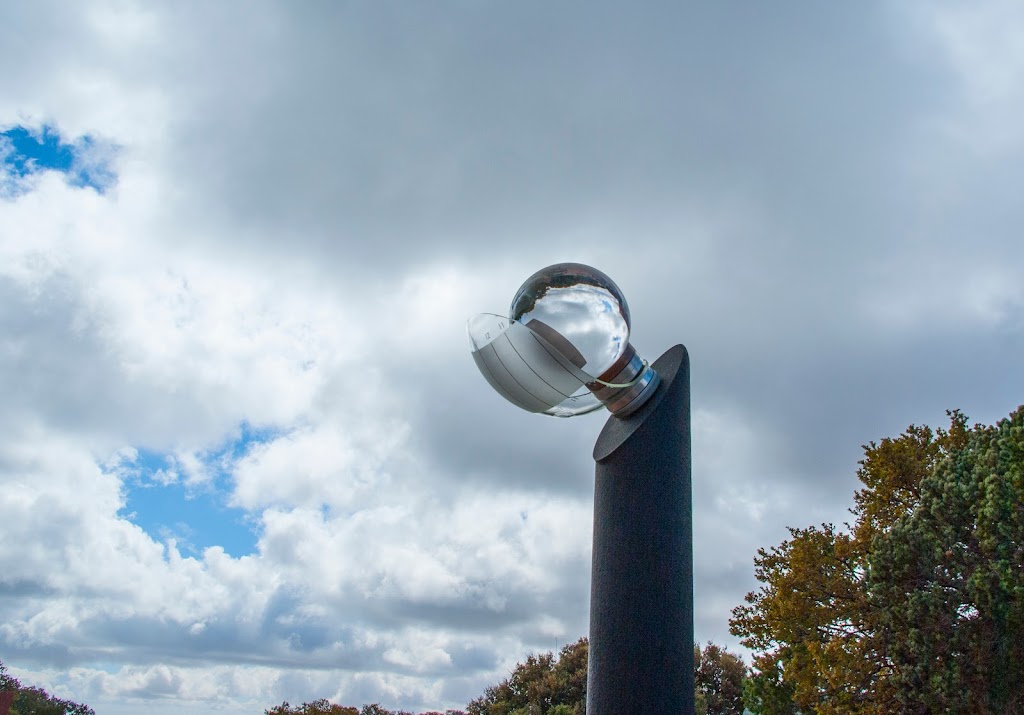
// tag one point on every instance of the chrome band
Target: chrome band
(627, 391)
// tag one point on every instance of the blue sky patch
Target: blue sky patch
(84, 161)
(166, 504)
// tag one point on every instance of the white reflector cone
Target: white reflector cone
(529, 370)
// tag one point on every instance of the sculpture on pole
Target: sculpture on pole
(564, 350)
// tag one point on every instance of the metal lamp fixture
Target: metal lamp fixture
(564, 350)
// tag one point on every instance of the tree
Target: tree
(765, 692)
(540, 686)
(376, 709)
(947, 581)
(718, 678)
(700, 703)
(918, 606)
(570, 679)
(807, 627)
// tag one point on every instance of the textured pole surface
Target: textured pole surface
(641, 598)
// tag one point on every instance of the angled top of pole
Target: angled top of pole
(618, 429)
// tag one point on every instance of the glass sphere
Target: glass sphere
(563, 349)
(580, 311)
(582, 306)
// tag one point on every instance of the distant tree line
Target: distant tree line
(325, 707)
(918, 606)
(548, 685)
(18, 699)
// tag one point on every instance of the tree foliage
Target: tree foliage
(947, 581)
(29, 700)
(918, 606)
(541, 685)
(317, 707)
(718, 679)
(325, 707)
(544, 685)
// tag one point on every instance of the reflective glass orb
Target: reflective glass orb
(581, 305)
(564, 348)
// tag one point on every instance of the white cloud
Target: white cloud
(978, 44)
(336, 465)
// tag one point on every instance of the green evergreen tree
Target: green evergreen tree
(947, 581)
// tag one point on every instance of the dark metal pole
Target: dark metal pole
(641, 598)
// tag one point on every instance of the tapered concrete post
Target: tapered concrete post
(641, 602)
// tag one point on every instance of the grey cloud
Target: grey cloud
(470, 658)
(69, 376)
(43, 654)
(20, 588)
(457, 131)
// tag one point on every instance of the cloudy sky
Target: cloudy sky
(245, 455)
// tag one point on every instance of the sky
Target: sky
(245, 455)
